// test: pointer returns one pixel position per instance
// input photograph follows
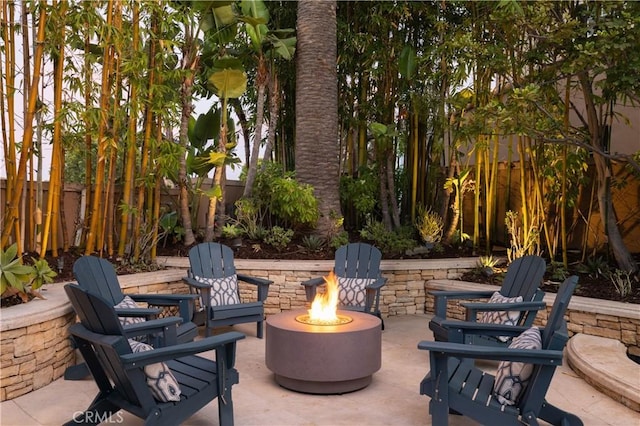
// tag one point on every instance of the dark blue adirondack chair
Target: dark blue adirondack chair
(456, 386)
(120, 374)
(523, 278)
(212, 275)
(98, 276)
(353, 262)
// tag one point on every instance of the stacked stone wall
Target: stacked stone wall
(34, 355)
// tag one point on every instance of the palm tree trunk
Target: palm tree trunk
(317, 151)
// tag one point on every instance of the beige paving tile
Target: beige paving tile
(392, 398)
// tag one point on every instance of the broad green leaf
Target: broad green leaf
(9, 254)
(255, 9)
(378, 129)
(215, 191)
(190, 129)
(254, 22)
(228, 62)
(230, 83)
(224, 15)
(407, 65)
(285, 48)
(217, 158)
(207, 127)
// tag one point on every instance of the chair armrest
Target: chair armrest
(378, 283)
(163, 299)
(152, 326)
(184, 302)
(313, 282)
(470, 328)
(440, 298)
(141, 359)
(462, 294)
(473, 308)
(530, 356)
(254, 280)
(262, 284)
(194, 283)
(137, 312)
(166, 327)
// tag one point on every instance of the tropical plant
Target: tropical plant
(230, 230)
(487, 264)
(170, 228)
(622, 281)
(521, 245)
(596, 267)
(19, 279)
(429, 225)
(312, 242)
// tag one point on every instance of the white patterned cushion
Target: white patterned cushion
(128, 303)
(160, 379)
(513, 377)
(501, 317)
(352, 290)
(224, 291)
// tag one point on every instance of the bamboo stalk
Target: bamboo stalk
(11, 219)
(55, 181)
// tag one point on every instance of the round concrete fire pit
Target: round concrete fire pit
(323, 359)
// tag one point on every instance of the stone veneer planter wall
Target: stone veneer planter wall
(35, 333)
(34, 344)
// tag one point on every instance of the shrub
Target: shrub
(394, 242)
(291, 203)
(339, 240)
(279, 237)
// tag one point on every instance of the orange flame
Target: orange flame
(325, 305)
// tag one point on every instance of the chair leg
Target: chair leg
(259, 329)
(552, 414)
(77, 372)
(379, 315)
(225, 408)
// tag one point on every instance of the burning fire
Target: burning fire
(325, 305)
(324, 308)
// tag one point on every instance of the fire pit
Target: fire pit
(330, 354)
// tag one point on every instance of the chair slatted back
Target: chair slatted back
(523, 277)
(357, 260)
(103, 357)
(211, 260)
(554, 337)
(98, 276)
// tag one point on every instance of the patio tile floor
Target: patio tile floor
(391, 399)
